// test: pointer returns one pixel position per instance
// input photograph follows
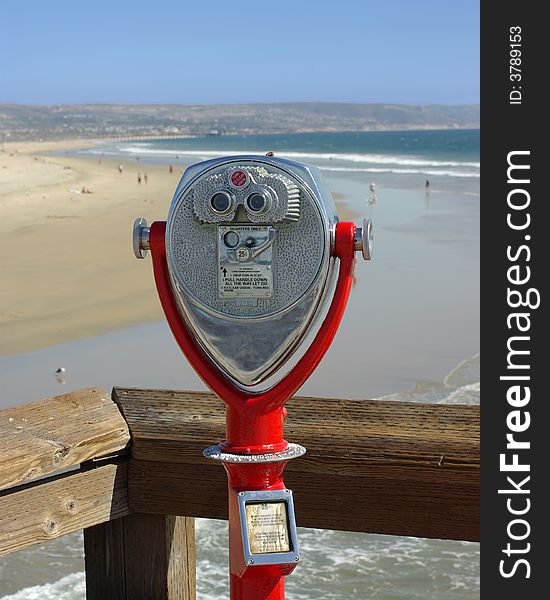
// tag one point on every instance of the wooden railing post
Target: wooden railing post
(141, 557)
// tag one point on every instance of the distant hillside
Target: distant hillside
(22, 122)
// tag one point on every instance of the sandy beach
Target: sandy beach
(67, 262)
(65, 240)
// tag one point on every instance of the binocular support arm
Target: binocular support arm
(255, 420)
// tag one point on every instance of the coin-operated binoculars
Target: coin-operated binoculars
(253, 271)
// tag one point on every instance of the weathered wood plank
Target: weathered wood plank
(141, 557)
(350, 434)
(419, 507)
(386, 467)
(49, 435)
(51, 508)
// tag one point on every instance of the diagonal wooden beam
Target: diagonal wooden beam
(50, 508)
(53, 434)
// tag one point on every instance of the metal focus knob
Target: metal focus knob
(140, 238)
(364, 239)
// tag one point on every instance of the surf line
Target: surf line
(520, 300)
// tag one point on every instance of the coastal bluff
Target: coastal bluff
(67, 121)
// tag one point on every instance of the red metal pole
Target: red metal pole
(263, 582)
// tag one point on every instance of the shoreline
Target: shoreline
(65, 236)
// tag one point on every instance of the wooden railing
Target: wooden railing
(129, 470)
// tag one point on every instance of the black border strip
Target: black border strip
(513, 346)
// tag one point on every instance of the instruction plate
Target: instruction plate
(267, 527)
(245, 254)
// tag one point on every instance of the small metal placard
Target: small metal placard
(268, 527)
(267, 524)
(245, 254)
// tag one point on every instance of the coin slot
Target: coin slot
(231, 239)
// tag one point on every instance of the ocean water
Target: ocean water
(411, 332)
(382, 155)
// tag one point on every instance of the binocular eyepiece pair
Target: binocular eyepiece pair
(257, 195)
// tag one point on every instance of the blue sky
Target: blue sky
(210, 51)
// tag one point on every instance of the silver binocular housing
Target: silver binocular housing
(250, 254)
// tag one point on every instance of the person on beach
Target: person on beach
(372, 194)
(427, 184)
(145, 177)
(139, 177)
(171, 169)
(120, 167)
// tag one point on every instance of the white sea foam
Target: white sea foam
(433, 168)
(384, 159)
(402, 171)
(466, 372)
(439, 394)
(460, 386)
(70, 587)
